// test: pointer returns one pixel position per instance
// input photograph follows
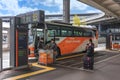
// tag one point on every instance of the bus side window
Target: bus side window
(93, 34)
(69, 33)
(51, 33)
(78, 33)
(75, 33)
(87, 33)
(57, 33)
(63, 33)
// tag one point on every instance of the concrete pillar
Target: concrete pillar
(8, 36)
(66, 11)
(13, 25)
(0, 44)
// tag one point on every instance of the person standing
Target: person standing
(41, 44)
(53, 46)
(90, 54)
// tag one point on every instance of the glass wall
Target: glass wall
(114, 28)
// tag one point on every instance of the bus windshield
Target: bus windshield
(35, 34)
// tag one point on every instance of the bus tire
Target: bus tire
(58, 52)
(28, 51)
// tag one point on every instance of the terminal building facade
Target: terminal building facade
(106, 26)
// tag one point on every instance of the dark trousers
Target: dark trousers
(92, 63)
(88, 62)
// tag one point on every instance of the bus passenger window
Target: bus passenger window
(93, 34)
(87, 34)
(69, 33)
(57, 33)
(64, 32)
(51, 33)
(75, 33)
(80, 33)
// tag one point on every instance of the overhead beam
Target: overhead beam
(99, 6)
(107, 8)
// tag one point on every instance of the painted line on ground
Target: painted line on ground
(76, 64)
(107, 59)
(46, 69)
(65, 62)
(70, 56)
(103, 60)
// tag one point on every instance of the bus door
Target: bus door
(51, 34)
(39, 36)
(35, 33)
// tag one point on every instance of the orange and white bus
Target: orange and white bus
(70, 39)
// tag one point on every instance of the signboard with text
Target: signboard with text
(32, 17)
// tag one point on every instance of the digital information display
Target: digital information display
(22, 47)
(22, 39)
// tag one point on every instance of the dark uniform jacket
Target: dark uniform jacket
(90, 50)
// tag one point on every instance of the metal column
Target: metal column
(13, 26)
(109, 40)
(66, 11)
(0, 45)
(8, 35)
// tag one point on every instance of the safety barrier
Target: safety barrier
(32, 50)
(116, 46)
(45, 57)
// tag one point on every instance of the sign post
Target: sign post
(19, 46)
(19, 37)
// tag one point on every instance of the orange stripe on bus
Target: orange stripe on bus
(69, 44)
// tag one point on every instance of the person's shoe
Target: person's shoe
(86, 70)
(83, 69)
(91, 68)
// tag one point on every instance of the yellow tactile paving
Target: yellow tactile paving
(46, 69)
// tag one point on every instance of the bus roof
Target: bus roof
(69, 25)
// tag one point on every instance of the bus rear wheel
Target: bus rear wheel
(58, 54)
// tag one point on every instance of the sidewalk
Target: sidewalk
(101, 47)
(106, 70)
